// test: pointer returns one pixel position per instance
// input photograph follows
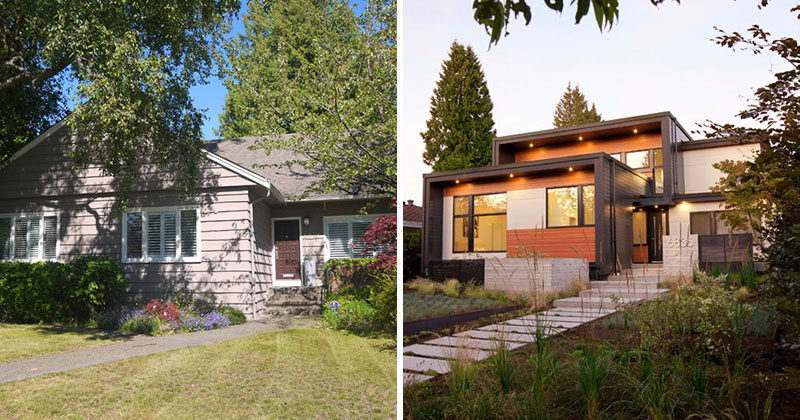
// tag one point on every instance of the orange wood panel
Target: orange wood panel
(625, 144)
(521, 183)
(577, 242)
(640, 254)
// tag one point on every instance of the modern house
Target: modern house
(241, 238)
(614, 193)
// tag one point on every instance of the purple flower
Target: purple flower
(334, 305)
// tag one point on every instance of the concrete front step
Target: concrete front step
(622, 284)
(636, 278)
(624, 293)
(591, 302)
(295, 301)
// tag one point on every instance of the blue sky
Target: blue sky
(655, 59)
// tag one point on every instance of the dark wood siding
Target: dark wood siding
(627, 188)
(432, 222)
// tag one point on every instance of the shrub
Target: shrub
(138, 322)
(349, 313)
(412, 255)
(164, 311)
(384, 300)
(236, 316)
(49, 292)
(349, 275)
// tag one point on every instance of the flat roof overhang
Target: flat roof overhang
(488, 173)
(521, 169)
(704, 197)
(595, 131)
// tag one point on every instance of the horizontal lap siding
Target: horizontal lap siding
(617, 145)
(575, 242)
(91, 222)
(46, 170)
(262, 256)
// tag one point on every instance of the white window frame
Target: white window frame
(371, 218)
(178, 246)
(40, 216)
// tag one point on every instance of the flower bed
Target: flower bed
(166, 317)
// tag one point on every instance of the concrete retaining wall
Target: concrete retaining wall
(534, 275)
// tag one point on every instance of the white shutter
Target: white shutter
(339, 239)
(170, 231)
(50, 237)
(20, 238)
(154, 235)
(5, 238)
(188, 233)
(33, 238)
(134, 235)
(359, 246)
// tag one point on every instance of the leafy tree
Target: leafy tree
(132, 64)
(461, 127)
(495, 15)
(315, 69)
(765, 193)
(573, 109)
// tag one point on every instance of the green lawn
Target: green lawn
(19, 342)
(303, 373)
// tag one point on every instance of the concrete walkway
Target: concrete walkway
(141, 345)
(600, 300)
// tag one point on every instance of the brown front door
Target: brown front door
(287, 250)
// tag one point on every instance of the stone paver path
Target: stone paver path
(422, 361)
(140, 346)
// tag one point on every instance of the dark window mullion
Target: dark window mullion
(471, 221)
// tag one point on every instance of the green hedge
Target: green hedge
(69, 293)
(349, 276)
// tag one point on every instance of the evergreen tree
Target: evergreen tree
(461, 127)
(573, 109)
(317, 69)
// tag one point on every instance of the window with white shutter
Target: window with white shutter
(29, 237)
(5, 238)
(133, 228)
(50, 237)
(339, 239)
(343, 234)
(189, 233)
(164, 234)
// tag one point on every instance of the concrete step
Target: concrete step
(591, 302)
(635, 277)
(624, 293)
(298, 300)
(615, 284)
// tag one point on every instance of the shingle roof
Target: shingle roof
(289, 181)
(412, 213)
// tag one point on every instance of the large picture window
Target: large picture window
(29, 237)
(479, 223)
(161, 234)
(570, 206)
(650, 161)
(710, 223)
